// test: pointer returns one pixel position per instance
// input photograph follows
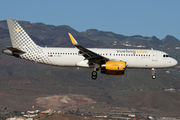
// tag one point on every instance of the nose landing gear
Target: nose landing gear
(153, 73)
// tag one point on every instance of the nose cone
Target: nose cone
(174, 62)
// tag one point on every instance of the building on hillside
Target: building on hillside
(170, 90)
(132, 115)
(47, 111)
(16, 118)
(177, 48)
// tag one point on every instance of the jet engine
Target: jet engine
(114, 68)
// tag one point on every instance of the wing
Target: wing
(89, 55)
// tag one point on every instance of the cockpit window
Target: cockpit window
(166, 55)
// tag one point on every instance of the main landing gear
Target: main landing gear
(153, 73)
(94, 72)
(94, 75)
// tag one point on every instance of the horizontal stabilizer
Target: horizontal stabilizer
(15, 50)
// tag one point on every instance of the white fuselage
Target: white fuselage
(135, 58)
(110, 61)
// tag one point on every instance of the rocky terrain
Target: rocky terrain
(65, 102)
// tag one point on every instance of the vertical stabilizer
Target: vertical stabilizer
(25, 46)
(19, 38)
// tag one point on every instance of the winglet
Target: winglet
(74, 42)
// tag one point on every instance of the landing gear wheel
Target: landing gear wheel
(153, 77)
(153, 73)
(94, 75)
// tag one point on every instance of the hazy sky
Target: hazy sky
(128, 17)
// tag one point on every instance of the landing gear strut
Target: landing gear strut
(94, 75)
(94, 72)
(153, 73)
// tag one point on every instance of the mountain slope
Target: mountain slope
(21, 82)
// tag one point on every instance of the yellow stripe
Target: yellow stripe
(72, 39)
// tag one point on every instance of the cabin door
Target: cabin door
(154, 55)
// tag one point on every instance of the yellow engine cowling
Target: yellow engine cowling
(115, 65)
(114, 68)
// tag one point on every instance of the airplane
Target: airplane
(108, 61)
